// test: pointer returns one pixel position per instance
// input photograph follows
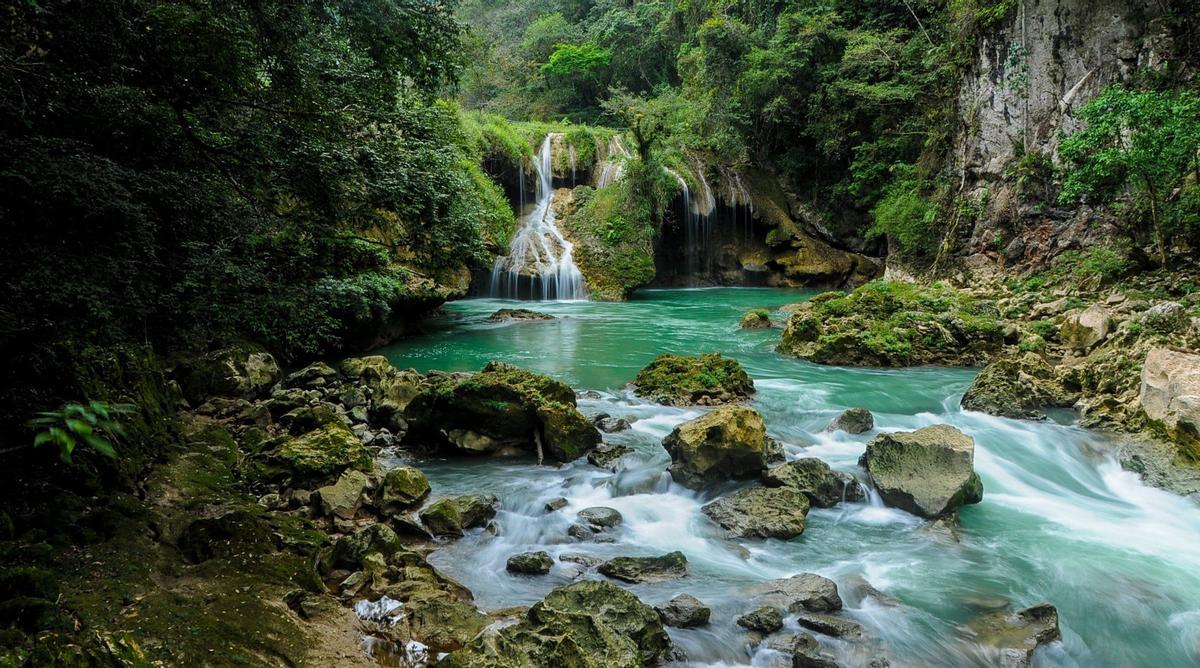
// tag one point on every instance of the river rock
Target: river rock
(760, 512)
(928, 472)
(1017, 634)
(530, 563)
(727, 443)
(758, 318)
(646, 569)
(611, 425)
(344, 497)
(1170, 393)
(597, 624)
(679, 380)
(500, 407)
(803, 651)
(830, 625)
(441, 624)
(244, 371)
(823, 486)
(1017, 386)
(452, 516)
(600, 518)
(803, 592)
(854, 421)
(403, 487)
(607, 456)
(508, 314)
(1087, 329)
(765, 620)
(319, 454)
(685, 612)
(317, 374)
(349, 551)
(557, 503)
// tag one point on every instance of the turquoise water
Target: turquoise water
(1060, 521)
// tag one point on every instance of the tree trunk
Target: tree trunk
(1160, 237)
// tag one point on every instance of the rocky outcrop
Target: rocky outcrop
(500, 407)
(728, 443)
(1017, 386)
(592, 624)
(1018, 633)
(823, 486)
(646, 569)
(679, 380)
(1170, 394)
(243, 371)
(758, 318)
(1086, 329)
(510, 314)
(685, 612)
(929, 472)
(760, 512)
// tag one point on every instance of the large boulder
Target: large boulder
(853, 421)
(1016, 634)
(244, 371)
(1170, 394)
(403, 487)
(684, 612)
(763, 620)
(646, 569)
(760, 512)
(928, 472)
(679, 380)
(530, 563)
(319, 454)
(823, 486)
(500, 407)
(804, 592)
(728, 443)
(454, 515)
(590, 624)
(344, 497)
(1017, 386)
(1087, 329)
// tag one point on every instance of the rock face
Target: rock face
(1087, 329)
(823, 486)
(588, 624)
(685, 612)
(804, 592)
(728, 443)
(678, 380)
(646, 569)
(760, 512)
(1170, 393)
(1017, 386)
(452, 516)
(929, 472)
(502, 406)
(1017, 634)
(507, 314)
(854, 421)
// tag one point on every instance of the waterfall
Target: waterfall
(539, 264)
(697, 228)
(613, 166)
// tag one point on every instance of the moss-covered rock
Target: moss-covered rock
(530, 563)
(823, 486)
(1018, 633)
(894, 324)
(317, 455)
(238, 532)
(646, 569)
(613, 243)
(585, 625)
(349, 551)
(344, 497)
(454, 515)
(403, 487)
(680, 380)
(510, 314)
(501, 406)
(757, 318)
(728, 443)
(245, 371)
(853, 421)
(1017, 386)
(760, 512)
(928, 472)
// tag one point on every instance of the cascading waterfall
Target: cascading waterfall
(539, 264)
(613, 166)
(697, 227)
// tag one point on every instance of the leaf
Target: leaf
(100, 445)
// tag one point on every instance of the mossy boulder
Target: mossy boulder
(853, 421)
(454, 515)
(246, 371)
(928, 472)
(760, 512)
(530, 563)
(680, 380)
(684, 612)
(613, 239)
(344, 497)
(588, 624)
(758, 318)
(646, 569)
(1086, 329)
(728, 443)
(894, 324)
(444, 625)
(403, 487)
(511, 314)
(501, 406)
(319, 454)
(349, 551)
(823, 486)
(1017, 386)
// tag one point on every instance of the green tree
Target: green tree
(1138, 144)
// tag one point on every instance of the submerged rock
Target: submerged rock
(854, 421)
(530, 563)
(679, 380)
(823, 486)
(765, 620)
(685, 612)
(646, 569)
(727, 443)
(928, 472)
(507, 314)
(830, 625)
(454, 515)
(611, 425)
(608, 456)
(1018, 633)
(591, 624)
(803, 592)
(1017, 386)
(760, 512)
(500, 407)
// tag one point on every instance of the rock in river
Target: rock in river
(764, 620)
(685, 612)
(803, 592)
(823, 486)
(452, 516)
(928, 472)
(853, 421)
(1017, 386)
(507, 314)
(646, 569)
(600, 518)
(530, 563)
(727, 443)
(679, 380)
(760, 512)
(1017, 634)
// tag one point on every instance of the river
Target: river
(1060, 521)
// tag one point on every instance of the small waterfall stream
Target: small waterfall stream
(539, 265)
(697, 229)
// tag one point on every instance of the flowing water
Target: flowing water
(1060, 522)
(539, 264)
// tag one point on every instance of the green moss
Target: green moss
(683, 380)
(614, 247)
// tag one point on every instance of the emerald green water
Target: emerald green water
(1060, 521)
